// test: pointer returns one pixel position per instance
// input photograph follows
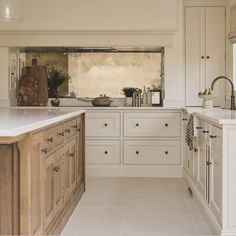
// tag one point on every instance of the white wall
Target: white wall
(4, 72)
(106, 23)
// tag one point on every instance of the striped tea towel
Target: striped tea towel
(189, 133)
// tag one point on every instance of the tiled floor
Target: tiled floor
(136, 207)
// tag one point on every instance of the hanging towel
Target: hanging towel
(189, 133)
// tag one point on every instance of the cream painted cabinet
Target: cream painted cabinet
(203, 132)
(204, 52)
(215, 174)
(133, 142)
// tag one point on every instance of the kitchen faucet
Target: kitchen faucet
(232, 105)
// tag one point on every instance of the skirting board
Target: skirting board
(131, 172)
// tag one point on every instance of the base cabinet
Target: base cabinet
(206, 177)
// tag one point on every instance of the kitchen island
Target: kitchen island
(42, 172)
(210, 167)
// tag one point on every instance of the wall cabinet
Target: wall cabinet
(204, 52)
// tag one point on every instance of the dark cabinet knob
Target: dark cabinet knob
(50, 139)
(72, 154)
(212, 136)
(205, 131)
(166, 125)
(61, 134)
(198, 127)
(184, 119)
(137, 152)
(105, 124)
(67, 131)
(209, 163)
(202, 57)
(166, 152)
(44, 150)
(195, 150)
(106, 152)
(56, 168)
(137, 124)
(207, 57)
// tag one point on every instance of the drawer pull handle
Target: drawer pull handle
(137, 152)
(209, 163)
(184, 119)
(72, 154)
(56, 168)
(61, 134)
(166, 125)
(137, 124)
(166, 152)
(44, 150)
(212, 136)
(50, 139)
(106, 152)
(67, 130)
(205, 131)
(105, 124)
(198, 127)
(195, 150)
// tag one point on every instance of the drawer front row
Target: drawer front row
(151, 152)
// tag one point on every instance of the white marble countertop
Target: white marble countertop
(18, 121)
(216, 115)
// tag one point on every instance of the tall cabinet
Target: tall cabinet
(204, 52)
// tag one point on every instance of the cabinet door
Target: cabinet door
(37, 143)
(195, 54)
(215, 50)
(203, 152)
(69, 168)
(57, 181)
(205, 52)
(216, 173)
(79, 157)
(48, 190)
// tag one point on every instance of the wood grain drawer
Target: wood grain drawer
(70, 128)
(151, 152)
(103, 152)
(145, 124)
(54, 137)
(103, 124)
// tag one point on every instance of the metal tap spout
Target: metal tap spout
(232, 105)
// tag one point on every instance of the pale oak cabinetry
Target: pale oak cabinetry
(42, 174)
(204, 51)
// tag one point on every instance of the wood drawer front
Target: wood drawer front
(151, 152)
(103, 124)
(54, 137)
(70, 128)
(103, 152)
(166, 124)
